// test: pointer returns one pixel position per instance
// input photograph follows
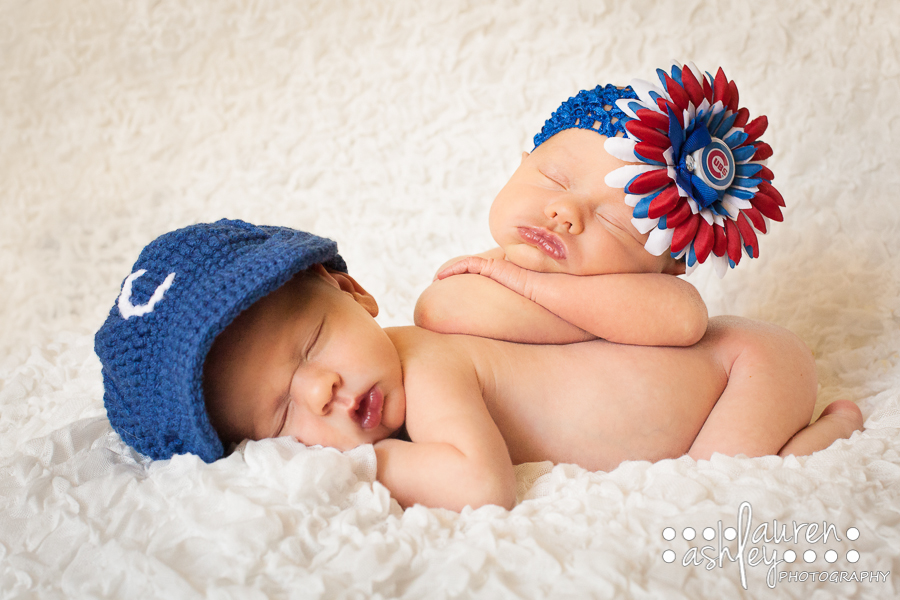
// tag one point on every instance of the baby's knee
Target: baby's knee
(762, 339)
(775, 353)
(790, 354)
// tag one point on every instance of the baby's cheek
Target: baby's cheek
(504, 216)
(517, 254)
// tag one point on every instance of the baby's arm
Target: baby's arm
(629, 308)
(458, 456)
(476, 305)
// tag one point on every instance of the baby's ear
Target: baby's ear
(524, 156)
(347, 284)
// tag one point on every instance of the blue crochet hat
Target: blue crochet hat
(591, 109)
(184, 289)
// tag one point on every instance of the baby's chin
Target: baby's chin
(529, 257)
(533, 259)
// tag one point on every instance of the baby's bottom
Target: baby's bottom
(769, 399)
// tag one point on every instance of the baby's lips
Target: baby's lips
(368, 411)
(545, 241)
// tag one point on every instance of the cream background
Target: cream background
(389, 127)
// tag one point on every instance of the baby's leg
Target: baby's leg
(771, 389)
(838, 421)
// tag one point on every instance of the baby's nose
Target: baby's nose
(319, 390)
(567, 214)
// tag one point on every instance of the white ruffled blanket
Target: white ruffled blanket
(389, 127)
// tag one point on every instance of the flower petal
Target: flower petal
(769, 190)
(763, 151)
(642, 208)
(630, 106)
(721, 265)
(692, 87)
(703, 241)
(739, 203)
(622, 148)
(755, 128)
(743, 154)
(754, 216)
(751, 243)
(765, 173)
(720, 242)
(633, 199)
(647, 92)
(690, 266)
(647, 182)
(664, 202)
(708, 88)
(737, 192)
(734, 140)
(747, 170)
(685, 232)
(721, 92)
(746, 183)
(644, 225)
(733, 238)
(677, 93)
(714, 121)
(645, 133)
(767, 206)
(659, 241)
(725, 126)
(620, 177)
(733, 96)
(648, 153)
(679, 214)
(727, 204)
(653, 119)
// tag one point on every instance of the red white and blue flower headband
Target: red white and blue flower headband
(703, 186)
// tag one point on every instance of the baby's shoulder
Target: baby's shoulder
(439, 379)
(433, 363)
(419, 347)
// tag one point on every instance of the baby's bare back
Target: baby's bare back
(745, 388)
(596, 403)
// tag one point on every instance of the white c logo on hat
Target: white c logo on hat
(127, 309)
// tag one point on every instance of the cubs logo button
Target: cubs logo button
(714, 164)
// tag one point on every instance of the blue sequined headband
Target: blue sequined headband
(591, 109)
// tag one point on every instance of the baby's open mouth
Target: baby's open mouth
(551, 245)
(368, 410)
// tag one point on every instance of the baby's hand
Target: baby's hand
(502, 271)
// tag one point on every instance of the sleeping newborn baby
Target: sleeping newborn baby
(626, 188)
(228, 331)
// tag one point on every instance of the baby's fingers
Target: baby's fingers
(469, 264)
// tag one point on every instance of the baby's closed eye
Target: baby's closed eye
(555, 176)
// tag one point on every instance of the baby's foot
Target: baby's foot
(837, 422)
(845, 415)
